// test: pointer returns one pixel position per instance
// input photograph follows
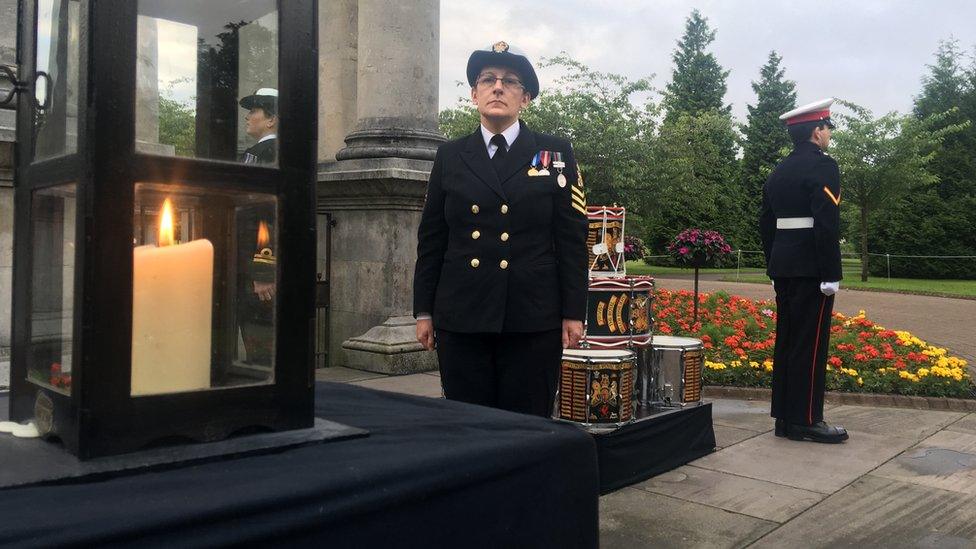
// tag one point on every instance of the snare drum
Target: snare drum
(676, 366)
(596, 387)
(618, 312)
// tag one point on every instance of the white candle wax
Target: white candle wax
(172, 305)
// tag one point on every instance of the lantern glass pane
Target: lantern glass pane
(207, 80)
(204, 289)
(49, 359)
(56, 84)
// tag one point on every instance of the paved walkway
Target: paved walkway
(906, 478)
(942, 321)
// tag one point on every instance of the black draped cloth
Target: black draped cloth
(432, 473)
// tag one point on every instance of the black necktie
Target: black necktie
(499, 159)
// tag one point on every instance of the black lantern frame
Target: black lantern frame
(100, 417)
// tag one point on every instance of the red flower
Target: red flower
(834, 361)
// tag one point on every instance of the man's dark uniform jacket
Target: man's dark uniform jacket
(505, 252)
(806, 184)
(798, 187)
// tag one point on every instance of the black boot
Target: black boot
(781, 427)
(818, 432)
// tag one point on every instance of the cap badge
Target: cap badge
(500, 47)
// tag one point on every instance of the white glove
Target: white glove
(829, 288)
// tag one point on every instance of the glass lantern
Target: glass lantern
(164, 261)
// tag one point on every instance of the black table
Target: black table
(432, 473)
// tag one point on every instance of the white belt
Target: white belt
(794, 223)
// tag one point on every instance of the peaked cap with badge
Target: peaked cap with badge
(501, 54)
(800, 230)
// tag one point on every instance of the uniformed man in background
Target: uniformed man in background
(501, 275)
(255, 234)
(800, 229)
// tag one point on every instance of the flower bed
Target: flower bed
(739, 334)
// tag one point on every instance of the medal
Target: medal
(557, 162)
(544, 157)
(532, 168)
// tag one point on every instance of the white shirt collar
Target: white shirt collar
(511, 133)
(267, 137)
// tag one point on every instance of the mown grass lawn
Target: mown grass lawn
(956, 288)
(852, 279)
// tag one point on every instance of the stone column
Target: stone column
(375, 190)
(397, 81)
(338, 56)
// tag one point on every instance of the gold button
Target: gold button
(504, 208)
(504, 237)
(476, 235)
(475, 263)
(475, 209)
(503, 264)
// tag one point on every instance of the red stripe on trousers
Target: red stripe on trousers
(813, 363)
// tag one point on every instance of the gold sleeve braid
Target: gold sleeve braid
(578, 195)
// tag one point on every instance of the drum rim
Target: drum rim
(688, 341)
(624, 353)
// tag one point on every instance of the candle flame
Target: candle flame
(264, 236)
(166, 224)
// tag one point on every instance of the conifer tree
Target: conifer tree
(697, 80)
(765, 139)
(695, 156)
(934, 219)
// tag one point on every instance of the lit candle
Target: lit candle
(172, 305)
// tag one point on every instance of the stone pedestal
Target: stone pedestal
(390, 348)
(374, 191)
(375, 207)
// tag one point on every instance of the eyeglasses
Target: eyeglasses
(488, 81)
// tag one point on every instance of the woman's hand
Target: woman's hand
(572, 332)
(425, 333)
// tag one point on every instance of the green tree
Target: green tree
(695, 174)
(609, 119)
(883, 159)
(765, 138)
(927, 221)
(177, 126)
(949, 87)
(690, 175)
(697, 80)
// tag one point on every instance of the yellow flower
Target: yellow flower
(714, 365)
(922, 372)
(860, 381)
(754, 364)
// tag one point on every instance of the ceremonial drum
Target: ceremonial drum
(605, 240)
(596, 387)
(676, 368)
(618, 312)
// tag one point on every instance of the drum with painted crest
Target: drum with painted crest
(596, 388)
(676, 365)
(619, 313)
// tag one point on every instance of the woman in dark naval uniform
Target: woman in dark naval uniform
(500, 282)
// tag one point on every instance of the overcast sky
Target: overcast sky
(871, 52)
